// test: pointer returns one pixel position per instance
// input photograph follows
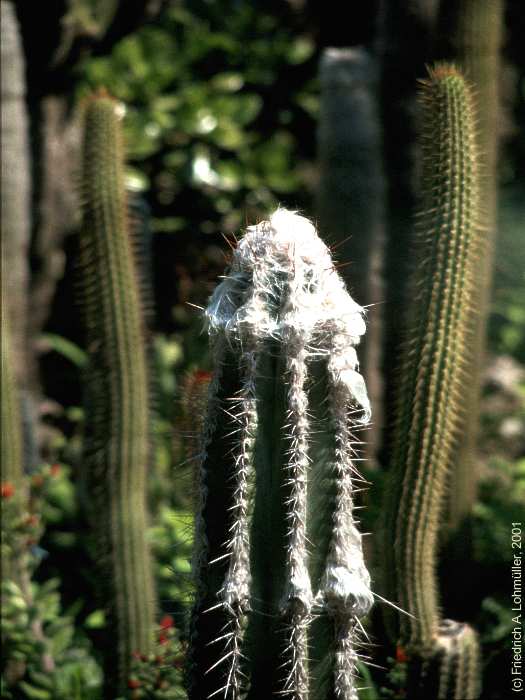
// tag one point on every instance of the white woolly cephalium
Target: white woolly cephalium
(322, 309)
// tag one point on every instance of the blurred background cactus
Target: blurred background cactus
(118, 432)
(232, 110)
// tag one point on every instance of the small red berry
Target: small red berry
(133, 683)
(55, 470)
(166, 623)
(401, 655)
(7, 489)
(202, 376)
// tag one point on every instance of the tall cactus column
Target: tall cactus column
(436, 352)
(350, 178)
(281, 581)
(11, 449)
(117, 440)
(472, 35)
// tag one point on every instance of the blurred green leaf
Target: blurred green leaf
(66, 348)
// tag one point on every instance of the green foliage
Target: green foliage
(502, 495)
(197, 86)
(171, 538)
(159, 675)
(507, 323)
(44, 652)
(74, 673)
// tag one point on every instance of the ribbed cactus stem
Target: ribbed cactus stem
(11, 451)
(277, 548)
(14, 562)
(345, 578)
(436, 352)
(452, 672)
(117, 441)
(350, 177)
(473, 34)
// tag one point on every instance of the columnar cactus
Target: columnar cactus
(350, 177)
(117, 440)
(11, 449)
(437, 348)
(452, 672)
(472, 34)
(281, 580)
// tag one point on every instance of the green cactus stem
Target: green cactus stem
(15, 225)
(194, 396)
(350, 177)
(117, 438)
(281, 580)
(452, 671)
(11, 450)
(437, 349)
(472, 37)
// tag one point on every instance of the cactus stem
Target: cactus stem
(274, 558)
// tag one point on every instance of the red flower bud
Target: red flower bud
(166, 623)
(7, 489)
(201, 375)
(401, 655)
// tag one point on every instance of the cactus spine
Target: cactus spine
(117, 441)
(281, 581)
(437, 350)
